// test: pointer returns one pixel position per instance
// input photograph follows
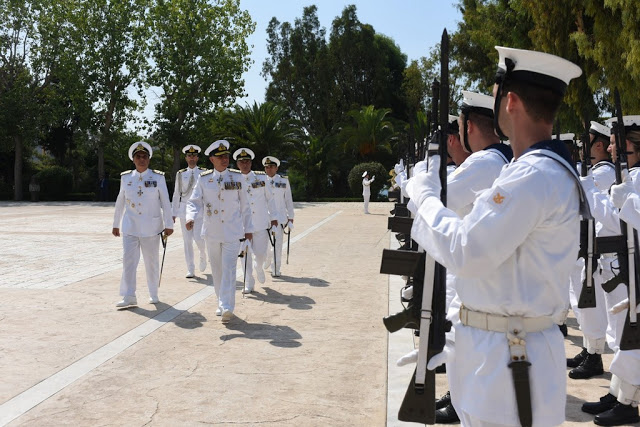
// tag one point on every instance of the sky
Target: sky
(415, 26)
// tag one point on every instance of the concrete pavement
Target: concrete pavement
(306, 349)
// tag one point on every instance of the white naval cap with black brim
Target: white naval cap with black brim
(473, 102)
(136, 147)
(534, 68)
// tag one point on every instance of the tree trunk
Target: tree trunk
(176, 161)
(17, 170)
(100, 161)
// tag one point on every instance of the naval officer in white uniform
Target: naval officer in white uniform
(185, 182)
(263, 216)
(281, 189)
(144, 209)
(221, 199)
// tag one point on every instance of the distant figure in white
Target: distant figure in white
(366, 190)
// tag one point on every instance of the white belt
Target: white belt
(500, 323)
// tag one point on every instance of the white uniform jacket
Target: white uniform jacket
(184, 184)
(281, 189)
(472, 177)
(221, 199)
(261, 200)
(143, 204)
(366, 186)
(512, 255)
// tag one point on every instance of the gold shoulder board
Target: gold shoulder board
(207, 172)
(126, 172)
(158, 172)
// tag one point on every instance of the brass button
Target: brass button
(215, 211)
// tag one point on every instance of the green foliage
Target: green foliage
(374, 169)
(55, 183)
(368, 133)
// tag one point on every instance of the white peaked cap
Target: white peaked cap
(538, 68)
(243, 153)
(364, 174)
(190, 149)
(598, 128)
(218, 148)
(477, 100)
(566, 136)
(140, 146)
(269, 160)
(627, 120)
(452, 118)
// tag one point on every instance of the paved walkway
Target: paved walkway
(306, 349)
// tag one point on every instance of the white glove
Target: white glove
(373, 178)
(445, 356)
(399, 168)
(419, 167)
(425, 184)
(411, 357)
(290, 225)
(400, 178)
(619, 193)
(621, 306)
(407, 293)
(273, 229)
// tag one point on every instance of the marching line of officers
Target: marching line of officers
(226, 212)
(508, 236)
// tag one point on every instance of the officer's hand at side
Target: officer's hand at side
(189, 225)
(248, 236)
(274, 222)
(115, 232)
(168, 231)
(621, 192)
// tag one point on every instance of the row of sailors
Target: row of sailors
(223, 211)
(508, 233)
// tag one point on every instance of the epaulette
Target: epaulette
(284, 176)
(235, 171)
(182, 170)
(260, 172)
(202, 169)
(126, 172)
(207, 172)
(158, 172)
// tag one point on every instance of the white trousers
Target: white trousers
(366, 202)
(223, 257)
(258, 251)
(275, 269)
(190, 236)
(468, 420)
(592, 321)
(132, 246)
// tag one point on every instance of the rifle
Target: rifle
(419, 401)
(627, 244)
(587, 297)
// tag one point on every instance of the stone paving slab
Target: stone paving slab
(306, 349)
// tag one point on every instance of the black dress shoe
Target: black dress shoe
(590, 367)
(447, 415)
(606, 402)
(444, 400)
(616, 416)
(576, 360)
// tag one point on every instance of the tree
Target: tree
(263, 128)
(301, 80)
(200, 52)
(30, 52)
(369, 133)
(110, 38)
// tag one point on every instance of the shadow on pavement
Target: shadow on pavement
(311, 281)
(165, 313)
(279, 336)
(271, 296)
